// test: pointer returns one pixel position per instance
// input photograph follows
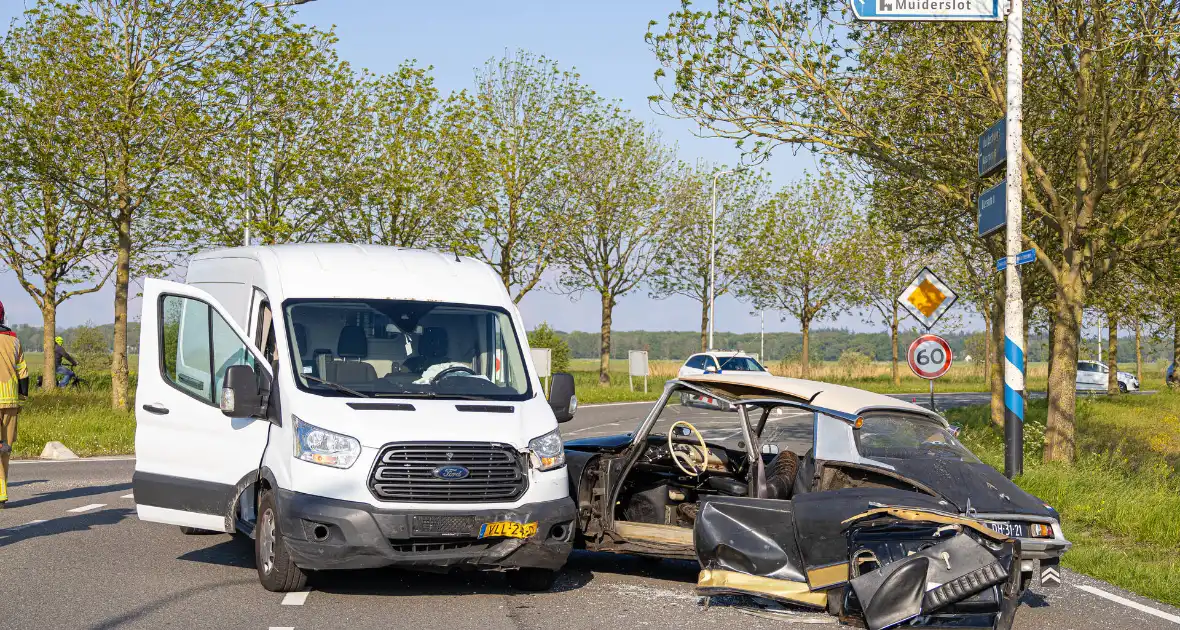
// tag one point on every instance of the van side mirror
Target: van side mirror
(562, 399)
(241, 396)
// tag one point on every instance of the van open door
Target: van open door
(191, 461)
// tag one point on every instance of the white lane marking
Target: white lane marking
(128, 496)
(295, 599)
(282, 628)
(116, 458)
(87, 508)
(597, 426)
(1128, 603)
(616, 404)
(29, 524)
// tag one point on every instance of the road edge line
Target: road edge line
(1129, 603)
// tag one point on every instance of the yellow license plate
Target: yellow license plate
(507, 529)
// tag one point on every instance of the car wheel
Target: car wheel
(1122, 387)
(276, 571)
(193, 531)
(532, 579)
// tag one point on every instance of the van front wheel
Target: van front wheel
(276, 570)
(532, 579)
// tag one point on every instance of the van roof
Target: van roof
(344, 270)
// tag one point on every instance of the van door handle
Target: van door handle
(156, 409)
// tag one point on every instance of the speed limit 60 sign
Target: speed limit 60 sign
(929, 356)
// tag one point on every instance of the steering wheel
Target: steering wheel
(682, 459)
(451, 371)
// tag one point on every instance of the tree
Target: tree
(529, 117)
(543, 336)
(618, 181)
(419, 174)
(55, 249)
(284, 165)
(684, 262)
(801, 253)
(890, 263)
(139, 76)
(909, 100)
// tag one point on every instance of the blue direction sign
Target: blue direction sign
(991, 206)
(928, 10)
(993, 149)
(1023, 258)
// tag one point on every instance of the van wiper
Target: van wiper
(335, 386)
(428, 395)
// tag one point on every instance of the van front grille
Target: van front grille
(416, 472)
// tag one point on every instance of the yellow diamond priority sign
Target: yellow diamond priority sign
(927, 298)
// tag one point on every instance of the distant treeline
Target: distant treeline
(826, 345)
(30, 336)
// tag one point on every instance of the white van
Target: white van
(351, 407)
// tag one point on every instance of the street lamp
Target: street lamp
(250, 112)
(712, 250)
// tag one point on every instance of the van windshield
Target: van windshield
(405, 349)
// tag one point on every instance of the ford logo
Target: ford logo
(451, 472)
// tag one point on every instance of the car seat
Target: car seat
(432, 349)
(350, 369)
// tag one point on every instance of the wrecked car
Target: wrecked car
(885, 518)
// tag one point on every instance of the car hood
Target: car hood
(376, 422)
(971, 485)
(600, 444)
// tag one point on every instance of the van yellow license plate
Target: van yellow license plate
(507, 529)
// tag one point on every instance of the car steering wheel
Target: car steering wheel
(451, 371)
(682, 459)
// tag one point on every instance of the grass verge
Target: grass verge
(1120, 500)
(81, 419)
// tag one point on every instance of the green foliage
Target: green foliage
(543, 336)
(81, 419)
(852, 362)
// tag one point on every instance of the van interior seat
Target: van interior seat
(433, 347)
(351, 348)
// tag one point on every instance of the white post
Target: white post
(1014, 309)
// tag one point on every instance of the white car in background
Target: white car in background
(1092, 377)
(717, 362)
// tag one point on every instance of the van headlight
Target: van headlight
(547, 451)
(321, 446)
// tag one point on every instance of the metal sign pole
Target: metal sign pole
(1014, 309)
(932, 396)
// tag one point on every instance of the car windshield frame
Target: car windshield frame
(724, 361)
(874, 420)
(342, 390)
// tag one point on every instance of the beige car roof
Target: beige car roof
(841, 398)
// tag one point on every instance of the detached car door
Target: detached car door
(191, 461)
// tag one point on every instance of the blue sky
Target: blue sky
(603, 40)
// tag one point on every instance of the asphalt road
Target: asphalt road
(73, 555)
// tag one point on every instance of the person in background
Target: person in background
(14, 386)
(65, 375)
(1171, 377)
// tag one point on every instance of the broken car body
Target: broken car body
(885, 518)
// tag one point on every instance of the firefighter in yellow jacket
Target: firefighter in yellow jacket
(14, 386)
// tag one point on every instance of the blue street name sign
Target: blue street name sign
(928, 10)
(1023, 258)
(992, 205)
(993, 148)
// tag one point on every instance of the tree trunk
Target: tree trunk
(1049, 358)
(893, 335)
(608, 304)
(1112, 361)
(1059, 432)
(704, 324)
(120, 383)
(48, 333)
(987, 344)
(805, 360)
(997, 358)
(1139, 352)
(1175, 341)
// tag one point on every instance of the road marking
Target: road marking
(1128, 603)
(295, 599)
(282, 628)
(633, 402)
(87, 508)
(128, 496)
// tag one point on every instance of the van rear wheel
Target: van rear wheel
(532, 579)
(276, 571)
